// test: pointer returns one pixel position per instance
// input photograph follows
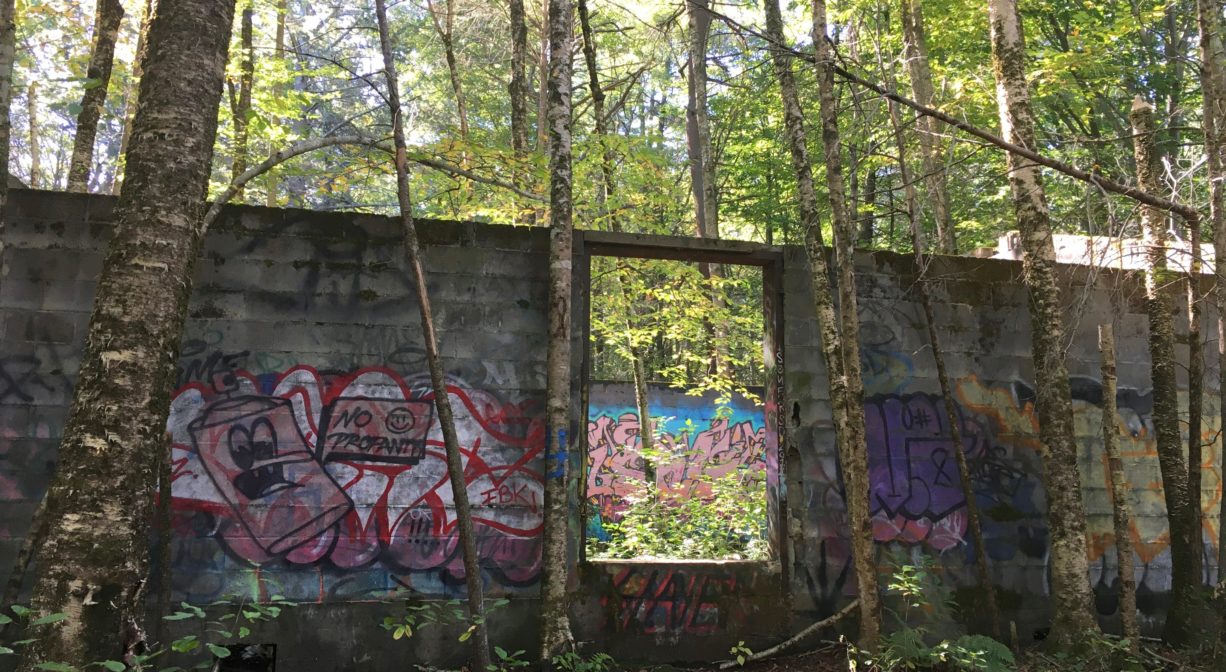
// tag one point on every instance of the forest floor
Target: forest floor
(833, 658)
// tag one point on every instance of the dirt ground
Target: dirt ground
(833, 658)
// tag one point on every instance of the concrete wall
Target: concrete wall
(306, 462)
(916, 502)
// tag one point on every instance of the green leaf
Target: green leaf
(243, 631)
(178, 616)
(113, 665)
(5, 619)
(219, 651)
(19, 610)
(49, 618)
(4, 651)
(55, 667)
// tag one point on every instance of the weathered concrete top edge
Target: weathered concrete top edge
(87, 209)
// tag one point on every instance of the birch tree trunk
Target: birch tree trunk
(555, 622)
(438, 379)
(130, 95)
(1159, 306)
(445, 27)
(1196, 395)
(542, 95)
(855, 459)
(107, 18)
(517, 90)
(271, 183)
(1117, 482)
(94, 563)
(8, 51)
(698, 122)
(36, 168)
(240, 100)
(1070, 586)
(938, 355)
(915, 52)
(1213, 91)
(846, 408)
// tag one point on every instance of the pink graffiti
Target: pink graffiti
(351, 469)
(614, 447)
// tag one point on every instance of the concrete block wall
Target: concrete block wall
(305, 458)
(302, 366)
(917, 506)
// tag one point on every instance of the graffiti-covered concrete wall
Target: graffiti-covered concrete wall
(708, 436)
(916, 501)
(305, 460)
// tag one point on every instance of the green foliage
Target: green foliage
(227, 629)
(507, 660)
(677, 319)
(573, 662)
(740, 652)
(729, 523)
(922, 605)
(1097, 652)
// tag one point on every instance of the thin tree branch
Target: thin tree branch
(307, 146)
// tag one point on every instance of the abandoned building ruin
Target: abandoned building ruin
(304, 460)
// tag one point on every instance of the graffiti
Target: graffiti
(341, 472)
(658, 600)
(700, 444)
(915, 491)
(18, 373)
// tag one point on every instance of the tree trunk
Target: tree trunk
(106, 30)
(698, 123)
(1117, 482)
(868, 215)
(828, 327)
(8, 52)
(855, 459)
(518, 92)
(702, 163)
(1213, 88)
(606, 189)
(445, 27)
(542, 96)
(1213, 91)
(1196, 395)
(938, 355)
(438, 380)
(1070, 586)
(1158, 304)
(94, 563)
(129, 95)
(555, 623)
(271, 183)
(240, 100)
(36, 167)
(915, 52)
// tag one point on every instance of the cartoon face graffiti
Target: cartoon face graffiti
(345, 475)
(261, 464)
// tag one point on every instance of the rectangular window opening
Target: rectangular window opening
(692, 338)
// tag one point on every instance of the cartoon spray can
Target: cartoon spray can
(255, 454)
